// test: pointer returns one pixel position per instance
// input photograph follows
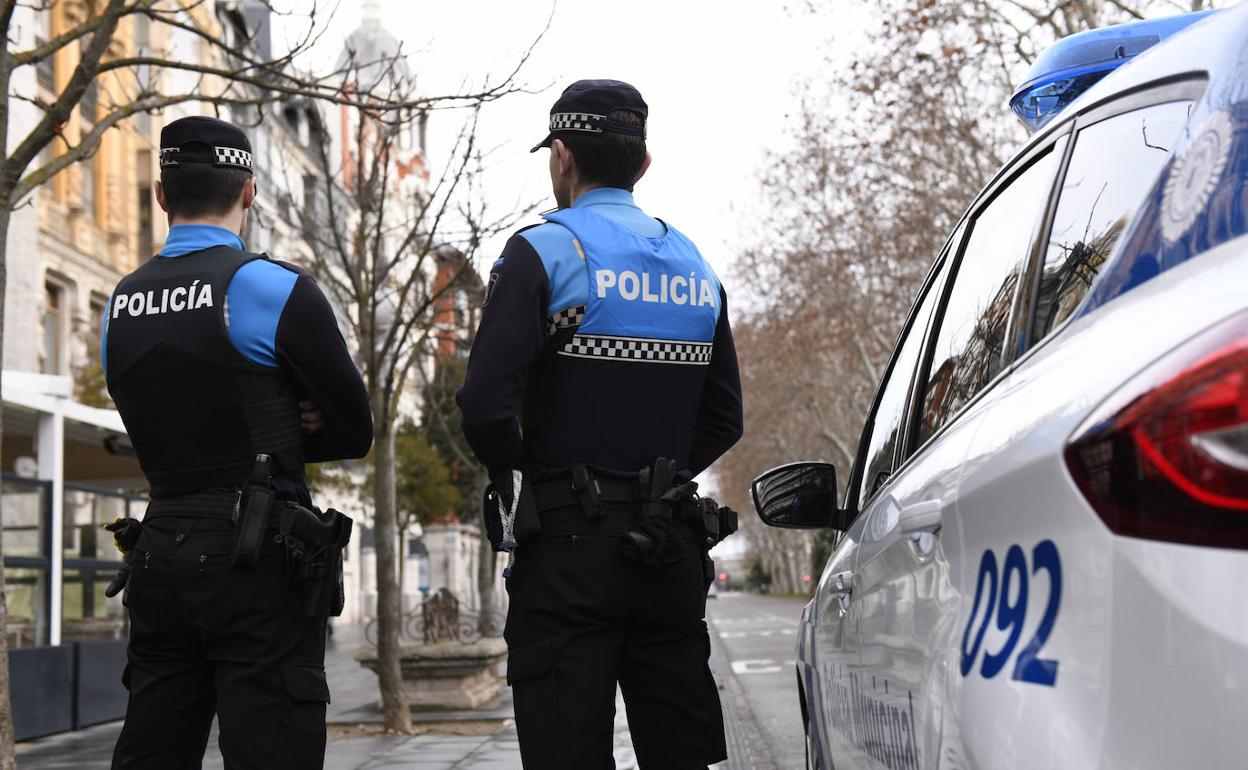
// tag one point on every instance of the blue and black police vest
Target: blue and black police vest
(631, 329)
(650, 299)
(197, 411)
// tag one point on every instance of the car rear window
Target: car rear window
(1198, 202)
(1112, 167)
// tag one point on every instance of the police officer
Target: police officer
(216, 358)
(602, 379)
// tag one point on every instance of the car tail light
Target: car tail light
(1166, 457)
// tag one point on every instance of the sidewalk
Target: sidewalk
(492, 746)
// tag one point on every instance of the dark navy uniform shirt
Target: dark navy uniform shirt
(604, 340)
(277, 317)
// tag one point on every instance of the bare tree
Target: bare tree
(887, 154)
(441, 416)
(231, 72)
(378, 232)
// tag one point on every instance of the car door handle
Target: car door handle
(923, 516)
(842, 582)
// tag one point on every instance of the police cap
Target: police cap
(201, 139)
(584, 107)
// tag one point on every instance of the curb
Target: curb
(747, 748)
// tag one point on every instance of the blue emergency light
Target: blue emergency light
(1074, 64)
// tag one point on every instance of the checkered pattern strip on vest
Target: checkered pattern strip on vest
(631, 349)
(565, 319)
(229, 156)
(576, 121)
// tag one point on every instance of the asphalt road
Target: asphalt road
(757, 638)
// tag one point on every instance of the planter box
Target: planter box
(100, 694)
(448, 675)
(42, 682)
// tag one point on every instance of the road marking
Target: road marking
(759, 619)
(760, 666)
(765, 632)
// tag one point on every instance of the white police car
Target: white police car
(1045, 552)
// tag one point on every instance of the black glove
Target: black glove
(118, 582)
(648, 543)
(126, 533)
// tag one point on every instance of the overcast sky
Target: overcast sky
(719, 78)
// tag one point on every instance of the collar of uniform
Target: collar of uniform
(183, 239)
(604, 195)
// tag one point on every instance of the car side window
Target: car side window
(890, 412)
(967, 353)
(1113, 166)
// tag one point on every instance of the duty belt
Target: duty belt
(589, 503)
(210, 504)
(562, 507)
(223, 504)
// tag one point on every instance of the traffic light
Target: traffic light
(723, 577)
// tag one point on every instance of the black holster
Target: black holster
(251, 517)
(718, 521)
(648, 542)
(314, 543)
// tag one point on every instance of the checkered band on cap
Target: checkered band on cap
(565, 319)
(639, 350)
(577, 121)
(232, 156)
(225, 156)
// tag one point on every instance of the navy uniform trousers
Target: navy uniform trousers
(208, 639)
(582, 618)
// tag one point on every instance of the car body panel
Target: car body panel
(831, 625)
(1017, 490)
(907, 604)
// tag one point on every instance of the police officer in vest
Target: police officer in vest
(230, 373)
(602, 379)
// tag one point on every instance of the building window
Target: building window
(45, 69)
(45, 157)
(88, 187)
(143, 173)
(143, 72)
(88, 103)
(313, 211)
(54, 312)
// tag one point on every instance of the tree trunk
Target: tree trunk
(402, 559)
(395, 709)
(490, 617)
(8, 753)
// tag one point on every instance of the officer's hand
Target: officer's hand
(313, 419)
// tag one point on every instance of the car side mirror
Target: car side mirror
(798, 496)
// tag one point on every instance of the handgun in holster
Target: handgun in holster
(718, 521)
(251, 517)
(314, 543)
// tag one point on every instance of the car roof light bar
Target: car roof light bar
(1074, 64)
